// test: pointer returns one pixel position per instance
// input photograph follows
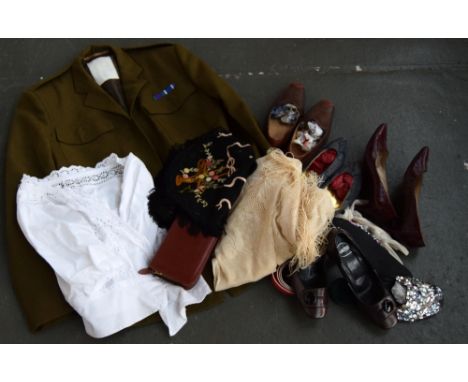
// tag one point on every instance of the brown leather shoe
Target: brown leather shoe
(284, 114)
(309, 285)
(364, 283)
(304, 146)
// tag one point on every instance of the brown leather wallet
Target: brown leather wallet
(182, 256)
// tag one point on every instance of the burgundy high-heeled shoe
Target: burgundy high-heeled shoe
(407, 229)
(375, 187)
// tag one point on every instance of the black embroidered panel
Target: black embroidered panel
(201, 180)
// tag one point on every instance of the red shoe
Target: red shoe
(345, 186)
(329, 161)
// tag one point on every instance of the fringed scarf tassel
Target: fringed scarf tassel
(315, 215)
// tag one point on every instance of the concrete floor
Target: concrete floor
(419, 87)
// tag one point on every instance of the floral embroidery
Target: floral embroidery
(210, 173)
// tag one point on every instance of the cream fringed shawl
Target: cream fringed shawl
(281, 214)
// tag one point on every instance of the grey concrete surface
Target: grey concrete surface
(419, 87)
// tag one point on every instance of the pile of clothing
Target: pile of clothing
(139, 183)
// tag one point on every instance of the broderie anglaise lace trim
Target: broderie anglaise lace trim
(70, 171)
(37, 189)
(92, 179)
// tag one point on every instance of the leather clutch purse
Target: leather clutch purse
(182, 256)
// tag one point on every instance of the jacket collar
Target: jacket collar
(96, 97)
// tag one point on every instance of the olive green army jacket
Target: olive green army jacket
(70, 120)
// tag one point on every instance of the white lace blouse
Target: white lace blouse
(91, 224)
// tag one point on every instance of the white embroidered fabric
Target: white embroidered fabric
(91, 224)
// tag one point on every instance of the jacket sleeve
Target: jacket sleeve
(206, 79)
(29, 152)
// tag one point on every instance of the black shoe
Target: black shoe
(386, 266)
(364, 283)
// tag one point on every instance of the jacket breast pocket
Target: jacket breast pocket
(84, 131)
(184, 113)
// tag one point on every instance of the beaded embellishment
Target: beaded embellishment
(418, 300)
(308, 135)
(288, 113)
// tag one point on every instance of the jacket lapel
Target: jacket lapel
(131, 76)
(98, 98)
